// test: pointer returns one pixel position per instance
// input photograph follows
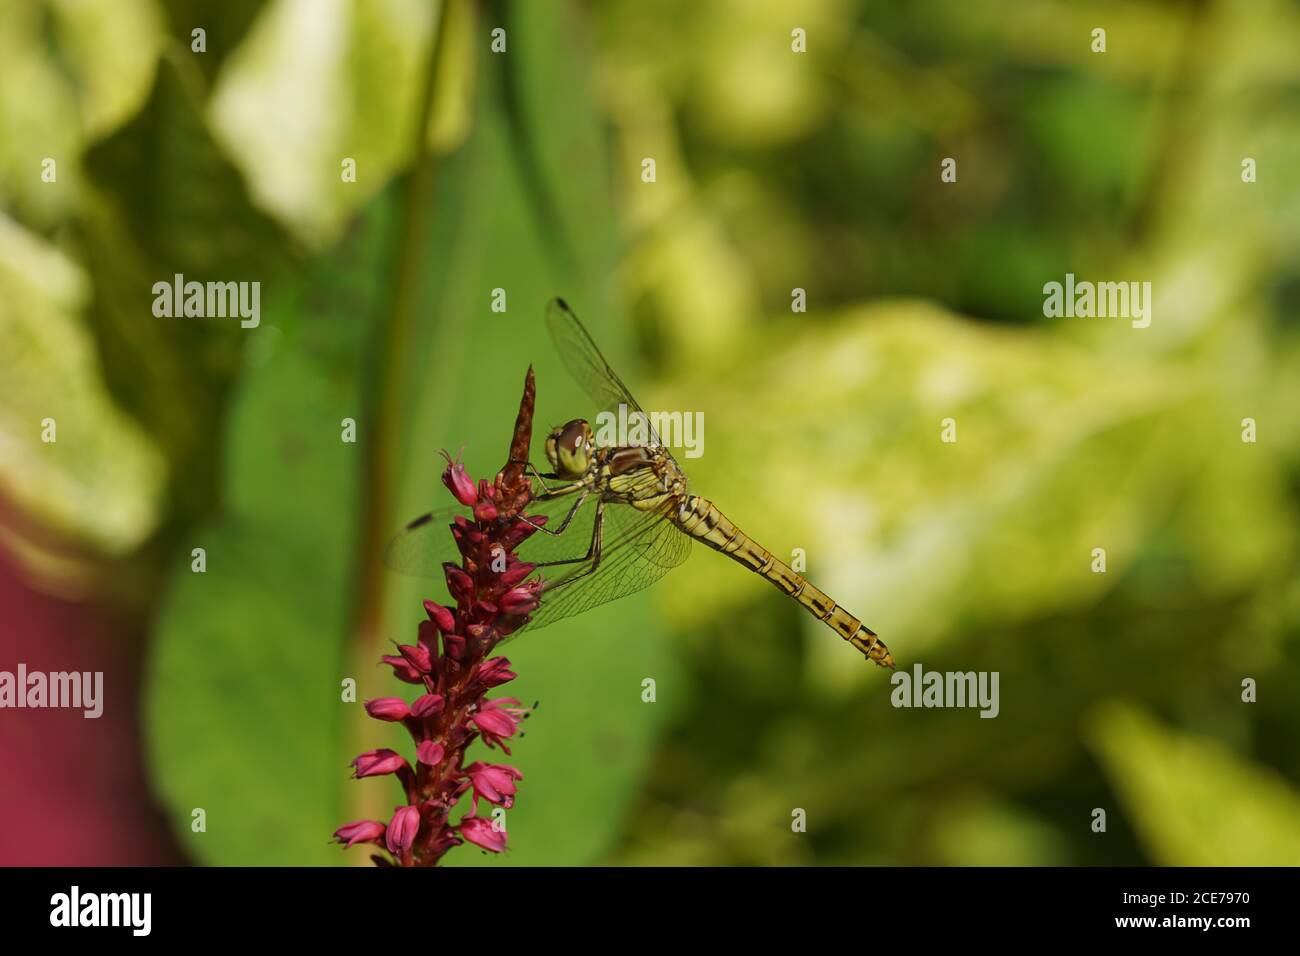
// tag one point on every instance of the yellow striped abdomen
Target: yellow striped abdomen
(701, 519)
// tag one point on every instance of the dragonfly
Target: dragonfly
(615, 519)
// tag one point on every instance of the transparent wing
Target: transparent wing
(423, 545)
(638, 549)
(586, 364)
(420, 548)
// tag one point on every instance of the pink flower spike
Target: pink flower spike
(459, 483)
(374, 763)
(494, 782)
(362, 831)
(481, 832)
(451, 667)
(402, 830)
(430, 753)
(387, 708)
(440, 616)
(426, 705)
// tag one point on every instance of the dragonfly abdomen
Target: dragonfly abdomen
(702, 520)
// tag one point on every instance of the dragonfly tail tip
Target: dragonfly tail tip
(872, 648)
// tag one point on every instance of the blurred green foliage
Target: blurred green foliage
(1228, 812)
(775, 170)
(1071, 436)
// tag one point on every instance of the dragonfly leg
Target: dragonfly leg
(532, 472)
(592, 555)
(560, 492)
(567, 518)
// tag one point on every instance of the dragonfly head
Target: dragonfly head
(568, 449)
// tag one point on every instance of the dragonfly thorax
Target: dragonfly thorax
(641, 475)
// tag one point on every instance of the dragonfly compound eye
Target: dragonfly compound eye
(573, 448)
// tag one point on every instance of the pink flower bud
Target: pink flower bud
(521, 600)
(430, 753)
(522, 530)
(495, 720)
(460, 584)
(402, 669)
(455, 644)
(440, 616)
(372, 763)
(428, 636)
(485, 510)
(459, 483)
(516, 573)
(426, 705)
(387, 708)
(495, 672)
(494, 782)
(481, 832)
(362, 831)
(402, 830)
(418, 657)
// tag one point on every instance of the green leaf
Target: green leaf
(224, 27)
(167, 201)
(100, 481)
(291, 111)
(69, 74)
